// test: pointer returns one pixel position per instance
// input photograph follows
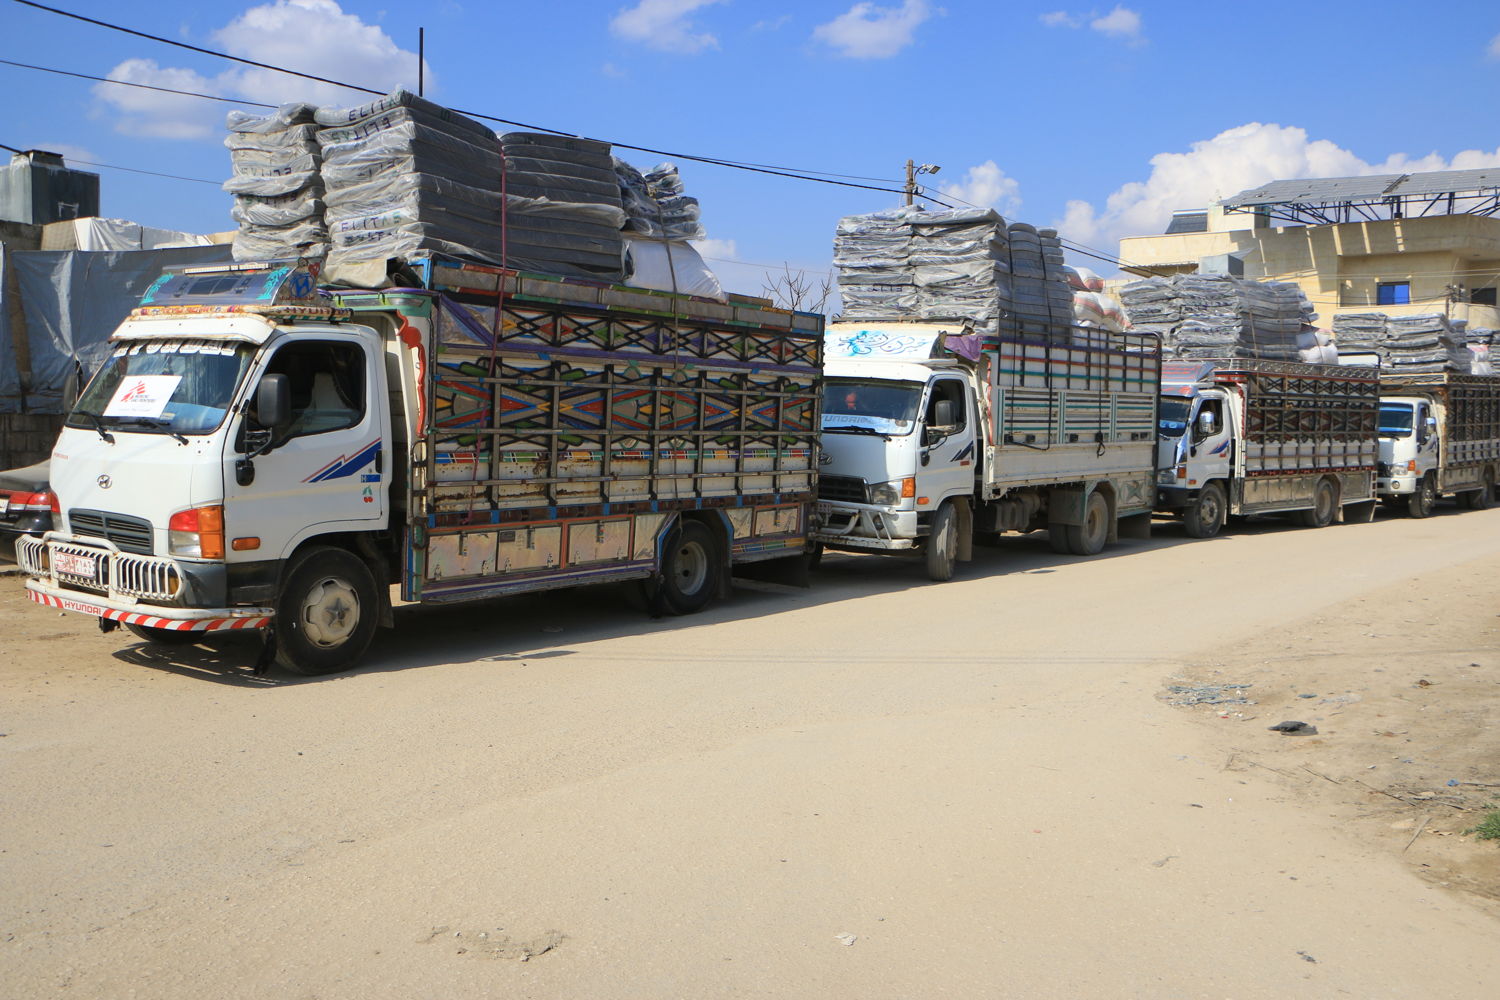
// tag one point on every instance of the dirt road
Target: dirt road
(876, 788)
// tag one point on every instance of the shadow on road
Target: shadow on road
(547, 624)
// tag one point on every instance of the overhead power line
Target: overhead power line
(820, 177)
(141, 86)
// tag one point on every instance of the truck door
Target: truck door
(949, 452)
(328, 467)
(1427, 435)
(1211, 441)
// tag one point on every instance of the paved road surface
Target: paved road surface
(877, 788)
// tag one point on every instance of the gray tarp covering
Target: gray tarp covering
(72, 301)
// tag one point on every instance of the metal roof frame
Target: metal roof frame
(1374, 197)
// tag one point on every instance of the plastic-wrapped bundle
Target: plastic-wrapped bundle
(563, 207)
(402, 174)
(1211, 315)
(1420, 343)
(655, 204)
(276, 182)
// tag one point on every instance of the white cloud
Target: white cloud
(1495, 47)
(1122, 23)
(772, 24)
(866, 31)
(314, 36)
(1233, 161)
(664, 25)
(987, 186)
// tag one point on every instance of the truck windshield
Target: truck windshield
(1172, 420)
(1395, 420)
(163, 387)
(861, 407)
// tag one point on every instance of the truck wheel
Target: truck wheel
(942, 544)
(690, 574)
(1420, 501)
(163, 636)
(1088, 538)
(1205, 515)
(325, 617)
(1480, 499)
(1325, 506)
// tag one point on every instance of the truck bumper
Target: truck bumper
(134, 586)
(876, 529)
(171, 619)
(1397, 485)
(1172, 497)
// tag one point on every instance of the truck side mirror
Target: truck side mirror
(273, 402)
(1206, 423)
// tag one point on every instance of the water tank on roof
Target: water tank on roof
(36, 187)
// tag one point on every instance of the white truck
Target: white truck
(1439, 436)
(933, 436)
(1244, 436)
(258, 454)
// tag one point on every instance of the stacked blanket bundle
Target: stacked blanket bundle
(563, 208)
(1426, 342)
(963, 265)
(276, 183)
(402, 174)
(1219, 316)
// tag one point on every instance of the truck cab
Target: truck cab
(237, 418)
(1409, 449)
(901, 435)
(1196, 427)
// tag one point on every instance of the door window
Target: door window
(327, 385)
(953, 391)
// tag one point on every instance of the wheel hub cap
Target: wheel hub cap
(331, 612)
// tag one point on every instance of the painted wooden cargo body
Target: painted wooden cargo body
(562, 428)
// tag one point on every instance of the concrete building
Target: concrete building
(1392, 243)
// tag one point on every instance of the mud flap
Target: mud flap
(1135, 526)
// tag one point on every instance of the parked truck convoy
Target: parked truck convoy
(259, 455)
(1241, 437)
(934, 436)
(1439, 436)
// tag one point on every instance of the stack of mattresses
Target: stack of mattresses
(656, 204)
(563, 211)
(1426, 342)
(276, 183)
(402, 174)
(1219, 316)
(960, 260)
(872, 256)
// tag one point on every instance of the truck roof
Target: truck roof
(270, 288)
(884, 343)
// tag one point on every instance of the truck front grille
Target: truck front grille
(129, 534)
(849, 488)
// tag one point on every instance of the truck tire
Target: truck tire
(163, 636)
(690, 569)
(1482, 498)
(1088, 538)
(1205, 515)
(1420, 501)
(942, 543)
(326, 614)
(1325, 506)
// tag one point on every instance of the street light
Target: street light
(912, 170)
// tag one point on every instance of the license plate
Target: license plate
(73, 564)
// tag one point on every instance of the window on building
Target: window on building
(1393, 293)
(1483, 296)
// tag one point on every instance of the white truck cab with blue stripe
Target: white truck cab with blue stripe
(934, 435)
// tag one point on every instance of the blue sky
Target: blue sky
(1098, 119)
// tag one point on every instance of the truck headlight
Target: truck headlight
(892, 493)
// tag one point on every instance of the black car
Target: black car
(26, 503)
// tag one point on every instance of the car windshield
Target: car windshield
(862, 406)
(1172, 420)
(163, 387)
(1395, 420)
